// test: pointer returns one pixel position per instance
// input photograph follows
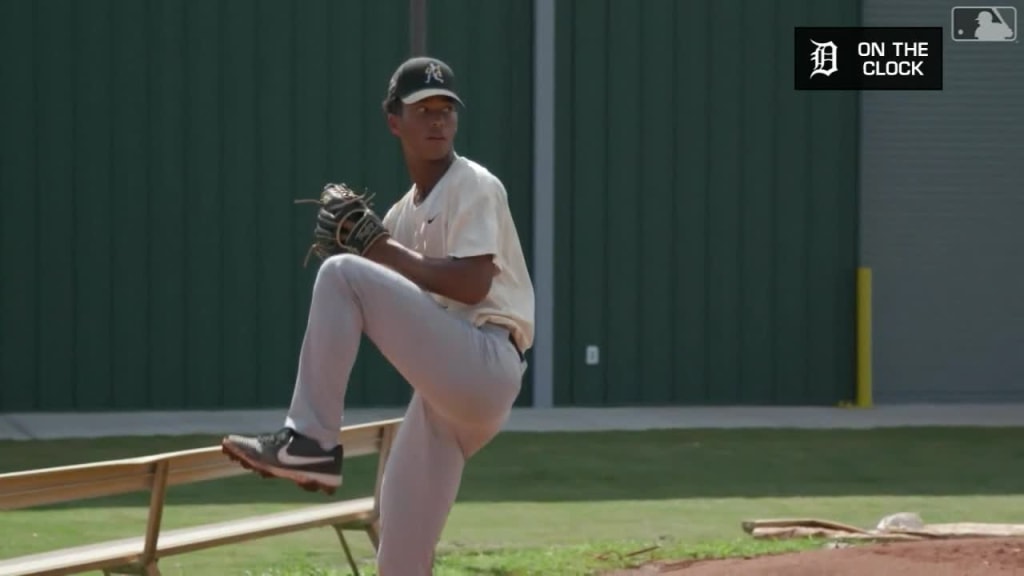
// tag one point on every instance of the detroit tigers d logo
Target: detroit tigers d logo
(824, 58)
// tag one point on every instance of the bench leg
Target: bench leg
(348, 551)
(373, 531)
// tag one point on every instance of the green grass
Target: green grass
(579, 559)
(558, 503)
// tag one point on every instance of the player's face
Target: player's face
(427, 128)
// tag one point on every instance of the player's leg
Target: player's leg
(468, 375)
(421, 482)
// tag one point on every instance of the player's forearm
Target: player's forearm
(458, 280)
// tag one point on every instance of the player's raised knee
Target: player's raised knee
(346, 265)
(336, 265)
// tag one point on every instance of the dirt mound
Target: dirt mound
(959, 557)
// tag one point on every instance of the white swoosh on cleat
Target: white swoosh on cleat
(285, 458)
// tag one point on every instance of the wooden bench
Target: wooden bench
(141, 554)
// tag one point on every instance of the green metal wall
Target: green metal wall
(150, 253)
(707, 211)
(490, 45)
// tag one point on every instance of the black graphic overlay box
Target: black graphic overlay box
(850, 58)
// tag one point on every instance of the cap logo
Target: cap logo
(433, 73)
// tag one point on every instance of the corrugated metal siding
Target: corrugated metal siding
(150, 152)
(706, 210)
(942, 175)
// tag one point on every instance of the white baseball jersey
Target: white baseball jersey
(467, 214)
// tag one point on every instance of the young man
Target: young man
(447, 299)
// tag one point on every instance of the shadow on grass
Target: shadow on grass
(652, 465)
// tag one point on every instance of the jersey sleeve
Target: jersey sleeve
(474, 221)
(389, 218)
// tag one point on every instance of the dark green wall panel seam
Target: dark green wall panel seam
(564, 353)
(778, 61)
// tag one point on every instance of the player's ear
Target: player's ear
(393, 124)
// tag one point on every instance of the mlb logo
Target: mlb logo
(984, 24)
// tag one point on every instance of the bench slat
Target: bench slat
(80, 558)
(81, 473)
(357, 440)
(82, 481)
(197, 538)
(28, 497)
(184, 540)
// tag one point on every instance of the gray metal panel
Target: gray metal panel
(942, 220)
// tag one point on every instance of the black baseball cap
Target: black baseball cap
(422, 77)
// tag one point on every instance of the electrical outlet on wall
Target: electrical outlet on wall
(593, 356)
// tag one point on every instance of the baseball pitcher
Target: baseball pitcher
(441, 287)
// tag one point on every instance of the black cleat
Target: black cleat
(288, 454)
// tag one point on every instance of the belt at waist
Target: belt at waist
(511, 338)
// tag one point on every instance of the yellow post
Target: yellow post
(864, 337)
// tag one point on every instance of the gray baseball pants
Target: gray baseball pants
(465, 380)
